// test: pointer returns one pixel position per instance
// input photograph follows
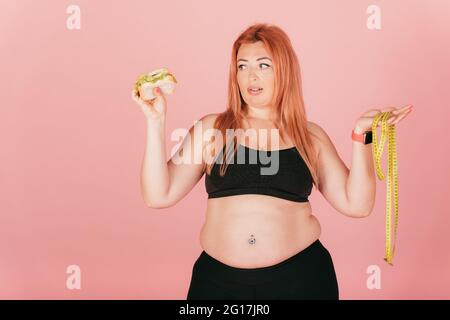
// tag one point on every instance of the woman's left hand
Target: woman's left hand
(364, 123)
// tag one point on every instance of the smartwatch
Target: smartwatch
(364, 138)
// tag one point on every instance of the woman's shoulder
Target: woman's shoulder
(316, 130)
(317, 135)
(208, 120)
(210, 117)
(312, 126)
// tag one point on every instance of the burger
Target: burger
(161, 78)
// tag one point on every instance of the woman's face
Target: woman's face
(255, 69)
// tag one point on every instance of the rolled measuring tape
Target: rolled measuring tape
(387, 131)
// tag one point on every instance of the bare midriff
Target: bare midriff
(253, 231)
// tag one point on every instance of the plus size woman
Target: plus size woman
(260, 158)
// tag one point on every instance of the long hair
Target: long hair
(287, 96)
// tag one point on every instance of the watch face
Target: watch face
(368, 137)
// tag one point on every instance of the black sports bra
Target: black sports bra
(287, 177)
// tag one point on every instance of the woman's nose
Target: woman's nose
(253, 75)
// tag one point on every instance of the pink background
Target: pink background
(72, 140)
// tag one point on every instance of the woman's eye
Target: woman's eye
(241, 65)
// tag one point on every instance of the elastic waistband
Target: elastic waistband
(216, 269)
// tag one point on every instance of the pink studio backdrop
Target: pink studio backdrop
(72, 140)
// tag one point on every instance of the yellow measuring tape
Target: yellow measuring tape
(392, 178)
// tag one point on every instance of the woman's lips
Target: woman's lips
(254, 93)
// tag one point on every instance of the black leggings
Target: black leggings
(309, 274)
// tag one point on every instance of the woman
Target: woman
(260, 239)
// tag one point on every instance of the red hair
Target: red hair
(287, 96)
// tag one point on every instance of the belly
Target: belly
(252, 231)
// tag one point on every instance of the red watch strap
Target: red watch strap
(358, 136)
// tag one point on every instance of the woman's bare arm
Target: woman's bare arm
(164, 183)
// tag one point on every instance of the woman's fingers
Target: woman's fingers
(400, 114)
(134, 95)
(395, 114)
(403, 109)
(145, 106)
(388, 109)
(404, 114)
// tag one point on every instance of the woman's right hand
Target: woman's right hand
(154, 109)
